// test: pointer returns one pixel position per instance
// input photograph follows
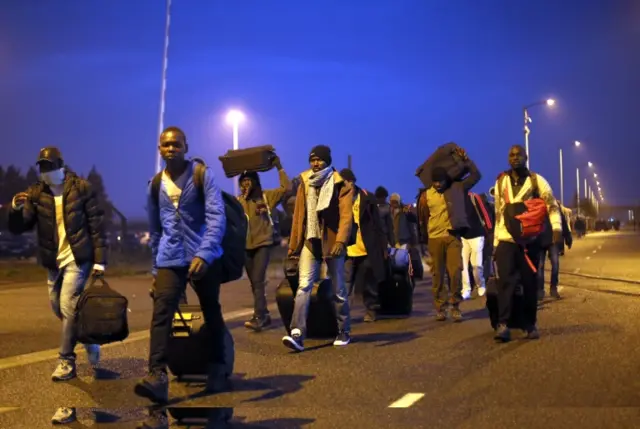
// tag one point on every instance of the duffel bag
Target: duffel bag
(254, 159)
(102, 314)
(447, 157)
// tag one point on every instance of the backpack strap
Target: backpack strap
(266, 203)
(534, 185)
(155, 188)
(199, 170)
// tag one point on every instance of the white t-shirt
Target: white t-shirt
(174, 189)
(65, 255)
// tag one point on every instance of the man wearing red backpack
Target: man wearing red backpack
(527, 219)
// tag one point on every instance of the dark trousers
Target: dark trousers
(446, 256)
(358, 275)
(513, 269)
(487, 259)
(171, 284)
(256, 263)
(554, 257)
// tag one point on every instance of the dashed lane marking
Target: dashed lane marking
(588, 257)
(7, 409)
(45, 355)
(407, 400)
(594, 251)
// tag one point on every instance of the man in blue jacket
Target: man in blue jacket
(186, 244)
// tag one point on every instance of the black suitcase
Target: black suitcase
(445, 156)
(396, 295)
(254, 159)
(190, 344)
(321, 319)
(516, 321)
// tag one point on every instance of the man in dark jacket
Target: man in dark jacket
(262, 235)
(474, 240)
(553, 252)
(365, 266)
(72, 246)
(443, 220)
(384, 209)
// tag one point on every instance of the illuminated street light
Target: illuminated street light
(235, 118)
(527, 120)
(590, 164)
(595, 175)
(577, 143)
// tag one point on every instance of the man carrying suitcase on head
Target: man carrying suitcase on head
(321, 229)
(186, 246)
(366, 265)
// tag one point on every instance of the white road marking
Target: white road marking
(577, 270)
(407, 400)
(594, 251)
(588, 257)
(7, 409)
(45, 355)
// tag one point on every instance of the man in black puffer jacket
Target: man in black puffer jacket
(72, 246)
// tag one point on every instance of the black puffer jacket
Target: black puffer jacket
(83, 220)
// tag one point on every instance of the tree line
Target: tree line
(12, 181)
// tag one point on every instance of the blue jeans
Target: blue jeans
(65, 286)
(554, 257)
(309, 270)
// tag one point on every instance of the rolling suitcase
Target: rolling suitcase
(516, 321)
(321, 319)
(446, 157)
(254, 159)
(190, 344)
(396, 295)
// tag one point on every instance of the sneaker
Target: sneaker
(155, 387)
(257, 324)
(441, 316)
(157, 419)
(456, 315)
(93, 354)
(482, 291)
(66, 370)
(64, 416)
(342, 339)
(294, 341)
(502, 334)
(532, 333)
(466, 294)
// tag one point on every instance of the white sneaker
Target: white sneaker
(66, 370)
(482, 291)
(64, 416)
(466, 294)
(93, 354)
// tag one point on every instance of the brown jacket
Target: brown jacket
(335, 221)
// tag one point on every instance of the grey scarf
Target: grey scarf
(318, 201)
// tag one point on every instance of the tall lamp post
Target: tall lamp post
(527, 120)
(235, 118)
(576, 144)
(163, 89)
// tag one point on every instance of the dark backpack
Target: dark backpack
(102, 314)
(235, 236)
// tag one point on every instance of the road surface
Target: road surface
(411, 373)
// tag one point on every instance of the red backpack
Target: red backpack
(525, 220)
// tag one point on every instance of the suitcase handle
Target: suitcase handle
(94, 280)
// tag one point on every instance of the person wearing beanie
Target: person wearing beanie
(384, 209)
(320, 230)
(365, 267)
(263, 233)
(443, 220)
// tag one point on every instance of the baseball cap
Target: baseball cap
(49, 154)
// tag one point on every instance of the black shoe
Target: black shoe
(257, 324)
(154, 387)
(342, 339)
(532, 333)
(441, 316)
(294, 341)
(456, 315)
(370, 316)
(502, 334)
(554, 294)
(157, 420)
(217, 379)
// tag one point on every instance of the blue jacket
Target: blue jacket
(189, 231)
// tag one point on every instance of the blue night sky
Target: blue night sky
(386, 81)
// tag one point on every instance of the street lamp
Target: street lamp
(235, 118)
(576, 144)
(163, 87)
(527, 120)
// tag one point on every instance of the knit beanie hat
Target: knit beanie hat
(395, 197)
(251, 175)
(323, 152)
(348, 175)
(381, 192)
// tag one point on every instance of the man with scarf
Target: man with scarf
(320, 231)
(261, 236)
(72, 245)
(403, 223)
(365, 267)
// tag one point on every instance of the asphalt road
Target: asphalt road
(411, 373)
